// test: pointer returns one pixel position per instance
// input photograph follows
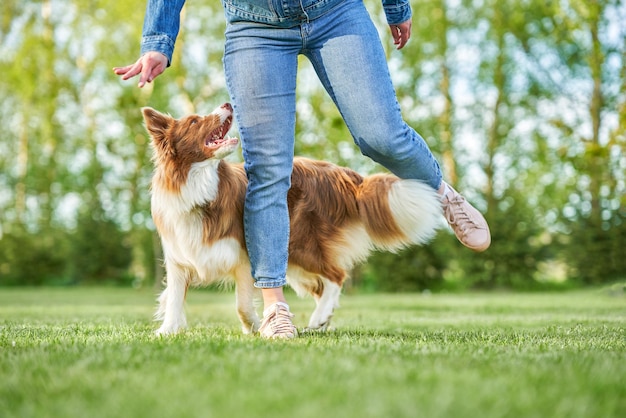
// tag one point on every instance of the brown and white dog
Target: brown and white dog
(337, 217)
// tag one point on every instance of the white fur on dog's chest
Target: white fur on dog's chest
(182, 229)
(184, 245)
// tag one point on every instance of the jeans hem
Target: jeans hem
(269, 283)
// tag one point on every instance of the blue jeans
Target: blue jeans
(260, 63)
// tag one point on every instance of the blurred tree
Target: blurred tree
(502, 109)
(590, 51)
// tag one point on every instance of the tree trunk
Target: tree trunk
(445, 133)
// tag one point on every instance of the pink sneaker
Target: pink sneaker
(469, 226)
(277, 322)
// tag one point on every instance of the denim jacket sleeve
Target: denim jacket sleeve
(397, 11)
(160, 26)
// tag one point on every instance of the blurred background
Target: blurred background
(523, 102)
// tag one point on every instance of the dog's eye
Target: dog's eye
(194, 121)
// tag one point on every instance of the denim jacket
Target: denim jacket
(162, 19)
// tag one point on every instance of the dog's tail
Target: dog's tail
(398, 213)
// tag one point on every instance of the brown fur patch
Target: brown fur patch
(375, 211)
(322, 200)
(224, 216)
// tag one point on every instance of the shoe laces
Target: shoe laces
(278, 318)
(456, 215)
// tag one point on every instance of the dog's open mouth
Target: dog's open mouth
(218, 137)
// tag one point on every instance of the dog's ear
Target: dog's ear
(156, 123)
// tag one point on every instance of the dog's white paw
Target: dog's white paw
(250, 329)
(325, 327)
(167, 330)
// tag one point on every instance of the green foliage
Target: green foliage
(99, 251)
(412, 269)
(92, 352)
(517, 248)
(96, 252)
(521, 101)
(596, 250)
(28, 258)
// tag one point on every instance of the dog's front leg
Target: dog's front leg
(245, 294)
(172, 300)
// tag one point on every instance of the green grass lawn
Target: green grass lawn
(91, 353)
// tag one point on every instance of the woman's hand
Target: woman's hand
(401, 33)
(149, 66)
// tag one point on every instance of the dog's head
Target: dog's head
(190, 139)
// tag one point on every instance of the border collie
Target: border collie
(337, 218)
